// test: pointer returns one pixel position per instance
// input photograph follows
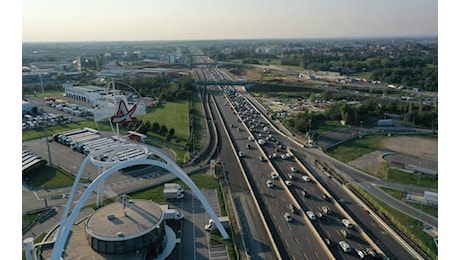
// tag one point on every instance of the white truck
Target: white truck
(211, 226)
(173, 191)
(173, 214)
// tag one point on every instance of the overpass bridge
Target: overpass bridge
(221, 82)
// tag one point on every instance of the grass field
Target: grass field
(172, 115)
(355, 148)
(50, 178)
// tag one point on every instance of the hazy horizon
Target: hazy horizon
(181, 20)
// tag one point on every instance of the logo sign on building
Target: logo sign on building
(123, 114)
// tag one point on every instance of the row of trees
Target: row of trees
(144, 127)
(370, 110)
(415, 69)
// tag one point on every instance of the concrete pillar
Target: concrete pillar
(100, 195)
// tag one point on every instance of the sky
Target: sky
(121, 20)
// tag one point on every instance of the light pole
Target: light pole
(45, 127)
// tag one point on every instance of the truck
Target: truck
(173, 191)
(171, 214)
(211, 226)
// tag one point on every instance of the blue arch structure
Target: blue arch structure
(67, 222)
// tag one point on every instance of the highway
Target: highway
(374, 231)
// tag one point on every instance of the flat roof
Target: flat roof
(140, 216)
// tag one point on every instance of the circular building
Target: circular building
(126, 226)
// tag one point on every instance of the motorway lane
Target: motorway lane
(254, 232)
(273, 199)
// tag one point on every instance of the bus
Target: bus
(137, 136)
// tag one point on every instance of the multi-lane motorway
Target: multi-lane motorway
(274, 201)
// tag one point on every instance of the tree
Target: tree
(155, 127)
(163, 129)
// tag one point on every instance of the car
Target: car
(326, 209)
(311, 215)
(274, 175)
(287, 217)
(269, 183)
(347, 223)
(288, 182)
(248, 146)
(304, 194)
(326, 198)
(274, 155)
(344, 233)
(345, 246)
(289, 155)
(306, 178)
(293, 169)
(262, 159)
(328, 241)
(240, 154)
(250, 138)
(371, 252)
(283, 156)
(292, 177)
(361, 253)
(292, 208)
(319, 214)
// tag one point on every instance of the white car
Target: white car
(306, 178)
(288, 217)
(269, 183)
(293, 169)
(240, 154)
(347, 223)
(274, 175)
(283, 156)
(288, 183)
(326, 209)
(311, 215)
(289, 155)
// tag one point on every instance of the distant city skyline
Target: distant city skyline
(146, 20)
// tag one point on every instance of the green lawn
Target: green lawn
(398, 176)
(49, 178)
(356, 148)
(172, 115)
(202, 180)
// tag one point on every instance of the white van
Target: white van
(345, 246)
